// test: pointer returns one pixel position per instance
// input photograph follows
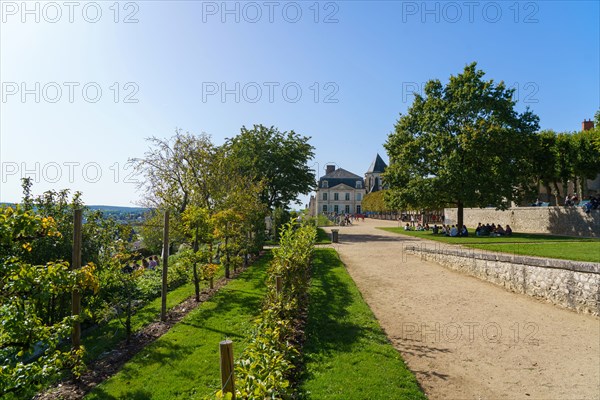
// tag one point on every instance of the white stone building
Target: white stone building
(339, 191)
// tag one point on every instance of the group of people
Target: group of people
(493, 230)
(345, 219)
(446, 230)
(451, 230)
(147, 263)
(418, 227)
(571, 200)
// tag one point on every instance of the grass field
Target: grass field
(322, 237)
(347, 354)
(184, 363)
(551, 246)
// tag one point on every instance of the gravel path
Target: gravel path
(465, 338)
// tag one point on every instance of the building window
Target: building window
(347, 209)
(358, 209)
(358, 196)
(325, 184)
(336, 209)
(336, 196)
(324, 196)
(347, 196)
(324, 208)
(358, 184)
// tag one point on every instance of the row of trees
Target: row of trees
(223, 193)
(218, 197)
(566, 157)
(464, 144)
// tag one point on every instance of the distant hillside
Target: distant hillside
(119, 209)
(105, 208)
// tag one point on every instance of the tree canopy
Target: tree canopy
(461, 144)
(560, 158)
(278, 159)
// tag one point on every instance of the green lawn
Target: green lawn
(184, 363)
(551, 246)
(347, 354)
(577, 251)
(322, 237)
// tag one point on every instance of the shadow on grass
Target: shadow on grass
(347, 354)
(328, 328)
(329, 299)
(133, 395)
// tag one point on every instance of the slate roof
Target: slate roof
(378, 165)
(339, 176)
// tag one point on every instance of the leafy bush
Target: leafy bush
(29, 343)
(264, 368)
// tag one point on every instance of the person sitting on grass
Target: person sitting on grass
(426, 227)
(478, 229)
(500, 231)
(508, 231)
(443, 230)
(464, 232)
(435, 229)
(407, 227)
(453, 231)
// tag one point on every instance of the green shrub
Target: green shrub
(263, 370)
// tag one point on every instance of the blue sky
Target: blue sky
(340, 72)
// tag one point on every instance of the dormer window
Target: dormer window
(358, 184)
(325, 184)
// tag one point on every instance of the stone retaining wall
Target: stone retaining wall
(572, 221)
(570, 284)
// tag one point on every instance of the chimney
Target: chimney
(587, 125)
(329, 169)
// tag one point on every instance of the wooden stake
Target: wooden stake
(76, 264)
(279, 284)
(227, 376)
(163, 310)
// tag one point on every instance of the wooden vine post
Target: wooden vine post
(279, 285)
(227, 376)
(76, 264)
(165, 257)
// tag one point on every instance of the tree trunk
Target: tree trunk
(128, 319)
(196, 279)
(557, 196)
(226, 258)
(460, 216)
(549, 191)
(565, 186)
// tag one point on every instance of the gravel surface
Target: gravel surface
(465, 338)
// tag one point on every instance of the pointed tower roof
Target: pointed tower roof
(377, 165)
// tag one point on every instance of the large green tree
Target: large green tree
(461, 144)
(277, 159)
